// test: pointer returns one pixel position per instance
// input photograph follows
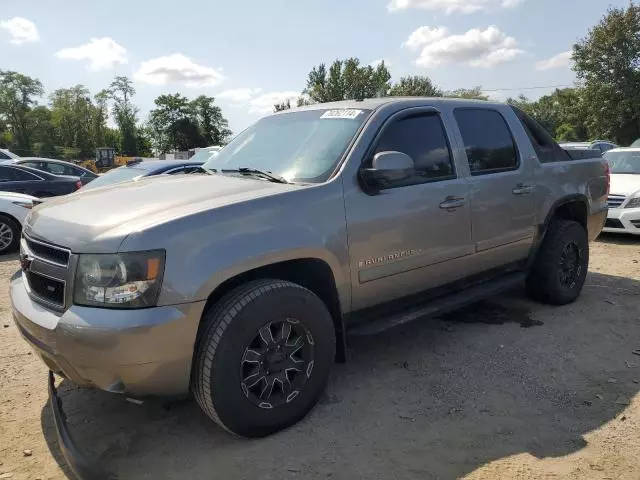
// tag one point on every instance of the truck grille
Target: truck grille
(45, 268)
(45, 288)
(47, 252)
(614, 201)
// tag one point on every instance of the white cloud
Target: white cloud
(475, 48)
(264, 103)
(377, 62)
(177, 69)
(239, 95)
(425, 35)
(101, 53)
(558, 61)
(20, 30)
(452, 6)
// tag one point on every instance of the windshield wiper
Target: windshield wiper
(258, 173)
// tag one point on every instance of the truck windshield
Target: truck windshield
(623, 162)
(302, 146)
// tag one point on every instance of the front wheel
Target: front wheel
(264, 357)
(560, 270)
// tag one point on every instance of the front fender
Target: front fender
(208, 248)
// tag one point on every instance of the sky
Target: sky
(252, 54)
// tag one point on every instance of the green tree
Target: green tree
(562, 108)
(18, 94)
(415, 86)
(347, 80)
(100, 116)
(172, 124)
(214, 128)
(606, 62)
(279, 107)
(125, 113)
(144, 146)
(72, 116)
(474, 93)
(43, 137)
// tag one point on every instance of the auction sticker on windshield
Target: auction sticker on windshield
(349, 114)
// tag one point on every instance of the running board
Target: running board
(440, 305)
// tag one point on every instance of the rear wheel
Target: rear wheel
(264, 357)
(560, 270)
(9, 234)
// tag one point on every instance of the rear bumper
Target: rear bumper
(136, 352)
(623, 220)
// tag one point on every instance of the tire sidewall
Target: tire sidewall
(574, 233)
(235, 411)
(15, 228)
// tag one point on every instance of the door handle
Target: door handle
(523, 189)
(452, 202)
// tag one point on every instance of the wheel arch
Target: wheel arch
(11, 217)
(312, 273)
(571, 207)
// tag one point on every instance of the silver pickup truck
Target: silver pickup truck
(241, 284)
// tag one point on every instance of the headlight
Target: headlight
(634, 202)
(28, 205)
(124, 280)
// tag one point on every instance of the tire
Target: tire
(232, 344)
(9, 234)
(548, 282)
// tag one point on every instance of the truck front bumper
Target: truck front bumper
(134, 352)
(623, 220)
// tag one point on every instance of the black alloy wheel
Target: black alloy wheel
(277, 363)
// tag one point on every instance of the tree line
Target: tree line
(73, 123)
(603, 104)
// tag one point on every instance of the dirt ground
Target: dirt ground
(507, 389)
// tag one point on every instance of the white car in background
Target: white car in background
(624, 196)
(7, 157)
(14, 208)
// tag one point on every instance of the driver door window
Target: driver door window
(423, 138)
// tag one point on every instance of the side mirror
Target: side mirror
(388, 167)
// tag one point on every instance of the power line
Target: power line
(524, 88)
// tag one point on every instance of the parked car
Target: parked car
(204, 154)
(624, 200)
(136, 170)
(7, 155)
(58, 167)
(600, 145)
(14, 208)
(21, 179)
(328, 220)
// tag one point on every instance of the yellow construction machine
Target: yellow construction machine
(106, 159)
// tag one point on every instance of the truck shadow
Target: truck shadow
(618, 239)
(433, 399)
(9, 257)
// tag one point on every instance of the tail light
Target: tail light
(607, 173)
(78, 185)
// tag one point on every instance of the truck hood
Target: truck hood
(95, 221)
(624, 184)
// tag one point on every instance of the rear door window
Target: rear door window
(487, 141)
